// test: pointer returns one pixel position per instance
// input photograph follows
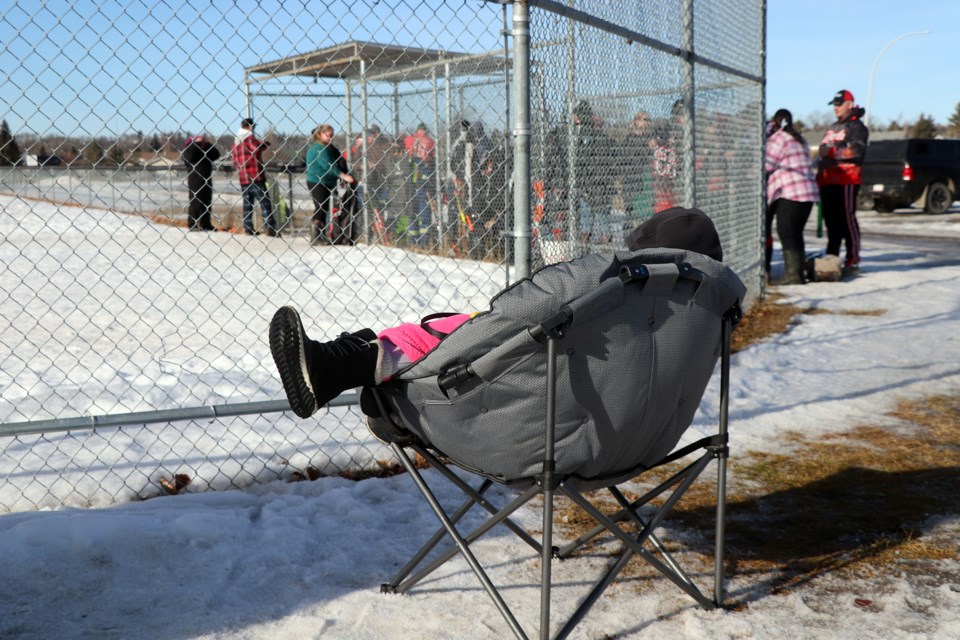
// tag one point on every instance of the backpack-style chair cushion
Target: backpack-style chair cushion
(632, 367)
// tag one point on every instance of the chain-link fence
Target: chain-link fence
(138, 275)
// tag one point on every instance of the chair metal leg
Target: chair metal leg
(722, 454)
(595, 593)
(636, 544)
(461, 545)
(391, 587)
(549, 465)
(474, 535)
(479, 499)
(549, 485)
(546, 564)
(572, 546)
(721, 516)
(644, 526)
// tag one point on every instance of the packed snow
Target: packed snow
(306, 559)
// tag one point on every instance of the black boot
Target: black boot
(314, 373)
(792, 268)
(317, 234)
(767, 255)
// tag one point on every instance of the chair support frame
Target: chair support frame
(548, 484)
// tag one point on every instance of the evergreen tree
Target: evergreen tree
(116, 156)
(954, 122)
(93, 153)
(924, 127)
(10, 153)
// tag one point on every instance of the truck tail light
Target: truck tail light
(907, 173)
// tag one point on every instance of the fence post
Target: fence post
(573, 204)
(363, 189)
(521, 139)
(689, 125)
(437, 178)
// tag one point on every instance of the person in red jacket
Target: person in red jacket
(247, 154)
(838, 176)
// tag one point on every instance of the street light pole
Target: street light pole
(873, 71)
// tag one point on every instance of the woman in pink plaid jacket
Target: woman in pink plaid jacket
(791, 192)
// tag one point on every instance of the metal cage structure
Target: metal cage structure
(133, 352)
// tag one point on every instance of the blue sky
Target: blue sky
(816, 47)
(105, 66)
(118, 66)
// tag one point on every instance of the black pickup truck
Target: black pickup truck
(897, 173)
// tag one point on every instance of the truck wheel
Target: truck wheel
(939, 198)
(882, 206)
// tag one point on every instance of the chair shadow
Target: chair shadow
(791, 537)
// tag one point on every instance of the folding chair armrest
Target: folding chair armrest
(493, 363)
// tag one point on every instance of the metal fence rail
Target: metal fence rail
(133, 354)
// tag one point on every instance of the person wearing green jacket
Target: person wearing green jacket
(325, 167)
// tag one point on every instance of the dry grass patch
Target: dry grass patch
(849, 504)
(853, 501)
(766, 317)
(769, 316)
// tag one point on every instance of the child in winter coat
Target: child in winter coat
(314, 373)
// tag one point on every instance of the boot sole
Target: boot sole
(287, 338)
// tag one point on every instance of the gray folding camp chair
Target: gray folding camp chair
(580, 378)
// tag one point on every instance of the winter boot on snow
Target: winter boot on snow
(316, 230)
(792, 268)
(314, 373)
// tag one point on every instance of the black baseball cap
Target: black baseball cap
(842, 96)
(247, 122)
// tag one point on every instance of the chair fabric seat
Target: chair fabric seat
(632, 367)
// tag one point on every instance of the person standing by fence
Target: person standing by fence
(422, 151)
(596, 172)
(325, 168)
(199, 156)
(636, 182)
(667, 167)
(247, 154)
(791, 192)
(371, 155)
(841, 154)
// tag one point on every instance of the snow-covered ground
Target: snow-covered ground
(306, 559)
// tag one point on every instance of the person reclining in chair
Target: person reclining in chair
(314, 373)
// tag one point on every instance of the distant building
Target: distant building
(41, 160)
(163, 160)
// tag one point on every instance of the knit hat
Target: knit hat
(678, 228)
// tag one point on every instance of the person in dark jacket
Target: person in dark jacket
(596, 170)
(838, 176)
(199, 156)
